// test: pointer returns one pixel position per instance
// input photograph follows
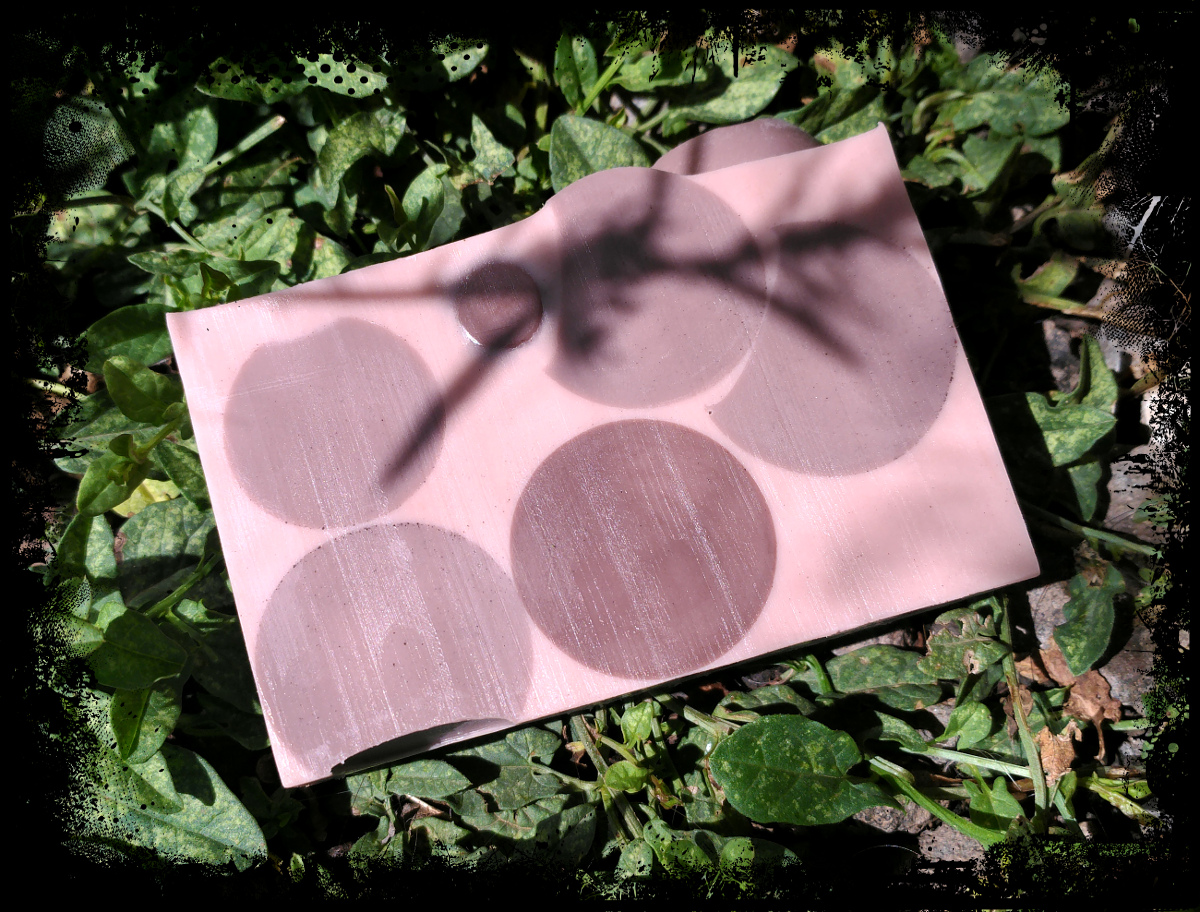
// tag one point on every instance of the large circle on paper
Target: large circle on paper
(643, 549)
(335, 428)
(388, 631)
(723, 147)
(663, 287)
(855, 358)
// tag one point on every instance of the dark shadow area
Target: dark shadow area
(417, 742)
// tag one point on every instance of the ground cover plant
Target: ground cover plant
(999, 722)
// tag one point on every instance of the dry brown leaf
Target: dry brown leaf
(1091, 701)
(1056, 665)
(1030, 668)
(1057, 751)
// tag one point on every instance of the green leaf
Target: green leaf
(140, 393)
(492, 158)
(970, 723)
(217, 717)
(135, 653)
(223, 667)
(645, 72)
(1085, 482)
(517, 786)
(1007, 101)
(963, 641)
(148, 492)
(636, 722)
(1069, 430)
(426, 779)
(142, 719)
(575, 69)
(742, 854)
(993, 808)
(183, 466)
(108, 482)
(869, 110)
(170, 259)
(988, 159)
(624, 776)
(255, 82)
(515, 824)
(1048, 280)
(207, 824)
(789, 769)
(871, 667)
(886, 727)
(358, 135)
(1085, 635)
(580, 146)
(677, 852)
(533, 743)
(637, 861)
(753, 88)
(423, 204)
(773, 696)
(352, 78)
(137, 332)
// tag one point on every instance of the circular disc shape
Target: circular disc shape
(643, 549)
(498, 304)
(389, 631)
(854, 360)
(663, 287)
(735, 145)
(334, 428)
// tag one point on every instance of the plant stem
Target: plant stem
(979, 834)
(824, 684)
(618, 747)
(945, 753)
(604, 80)
(248, 143)
(143, 451)
(51, 387)
(1087, 532)
(713, 726)
(580, 733)
(1029, 745)
(160, 608)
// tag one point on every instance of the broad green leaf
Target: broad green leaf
(517, 786)
(135, 653)
(994, 808)
(773, 696)
(789, 769)
(1069, 430)
(162, 540)
(70, 554)
(432, 66)
(423, 203)
(970, 723)
(98, 421)
(138, 332)
(363, 133)
(933, 174)
(80, 637)
(963, 641)
(140, 393)
(744, 853)
(747, 93)
(258, 82)
(368, 792)
(108, 482)
(352, 78)
(533, 743)
(1048, 280)
(1085, 482)
(170, 259)
(871, 667)
(636, 722)
(273, 812)
(183, 466)
(637, 861)
(150, 491)
(222, 667)
(492, 158)
(883, 726)
(647, 71)
(580, 146)
(575, 70)
(988, 158)
(518, 823)
(866, 116)
(1097, 387)
(142, 719)
(218, 717)
(381, 842)
(1006, 101)
(1084, 636)
(908, 697)
(443, 835)
(208, 824)
(624, 776)
(426, 779)
(677, 852)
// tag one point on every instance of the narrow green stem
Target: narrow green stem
(604, 80)
(660, 747)
(824, 684)
(51, 387)
(1110, 538)
(945, 753)
(160, 608)
(580, 733)
(173, 225)
(248, 143)
(1130, 725)
(653, 120)
(618, 747)
(1028, 744)
(980, 834)
(143, 451)
(713, 726)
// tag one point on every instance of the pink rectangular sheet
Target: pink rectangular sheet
(671, 422)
